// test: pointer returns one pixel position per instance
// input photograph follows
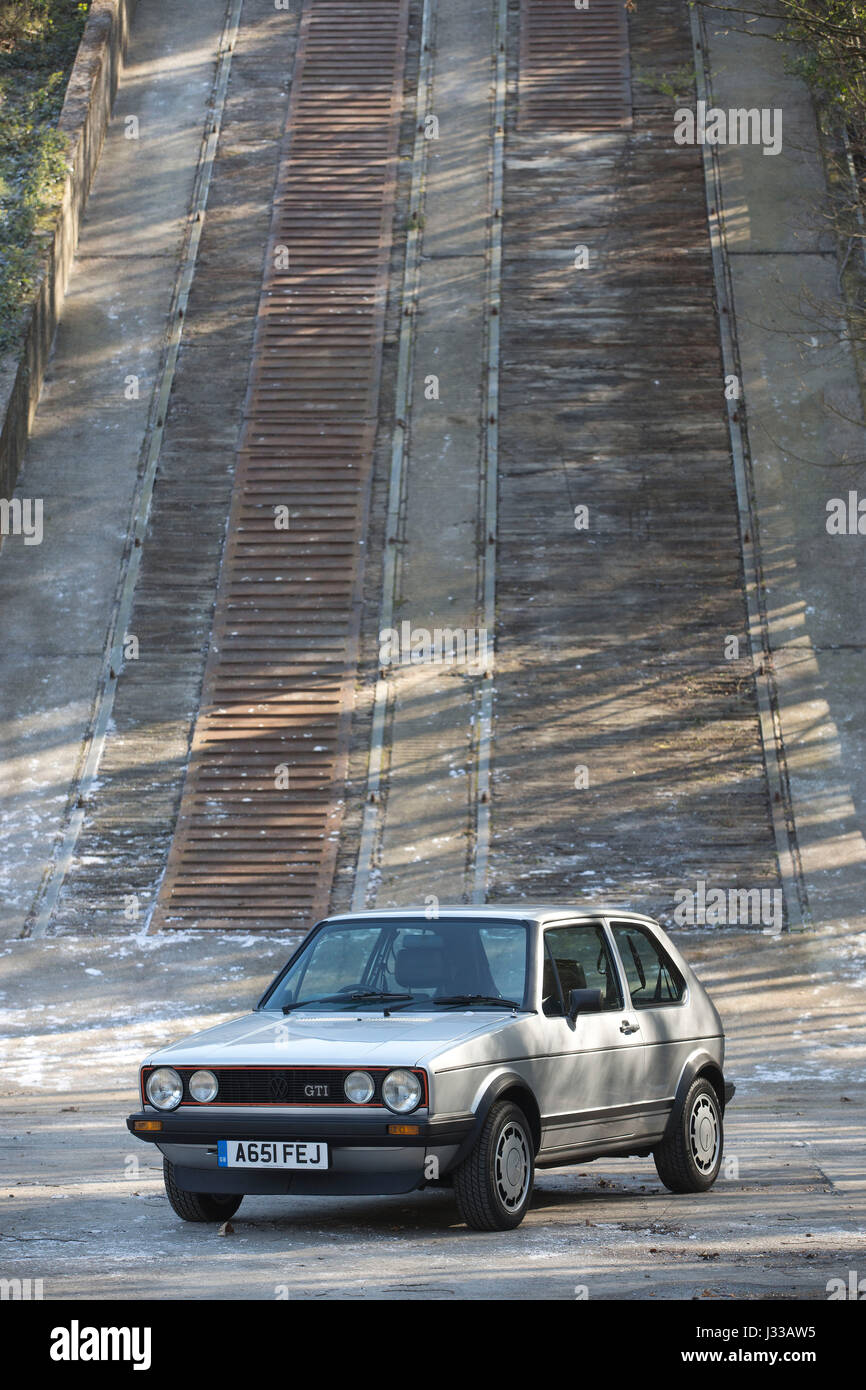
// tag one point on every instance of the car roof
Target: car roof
(526, 913)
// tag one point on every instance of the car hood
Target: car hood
(266, 1039)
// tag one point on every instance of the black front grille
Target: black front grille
(284, 1085)
(280, 1085)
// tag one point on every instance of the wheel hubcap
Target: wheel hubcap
(513, 1165)
(704, 1134)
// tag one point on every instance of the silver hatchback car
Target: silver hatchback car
(398, 1050)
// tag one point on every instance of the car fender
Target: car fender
(492, 1089)
(698, 1061)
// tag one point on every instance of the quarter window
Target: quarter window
(653, 979)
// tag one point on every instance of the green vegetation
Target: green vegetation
(678, 85)
(833, 36)
(38, 43)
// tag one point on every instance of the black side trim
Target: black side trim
(629, 1146)
(610, 1112)
(730, 1088)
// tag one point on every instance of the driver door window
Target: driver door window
(577, 958)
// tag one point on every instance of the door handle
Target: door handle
(626, 1027)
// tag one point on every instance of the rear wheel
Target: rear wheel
(689, 1159)
(493, 1185)
(198, 1206)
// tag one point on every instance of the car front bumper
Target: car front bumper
(364, 1159)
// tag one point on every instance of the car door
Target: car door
(595, 1063)
(658, 994)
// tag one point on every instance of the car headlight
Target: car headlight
(401, 1091)
(203, 1086)
(164, 1088)
(359, 1087)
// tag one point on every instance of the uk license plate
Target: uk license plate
(271, 1153)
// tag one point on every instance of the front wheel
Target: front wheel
(689, 1159)
(198, 1206)
(493, 1185)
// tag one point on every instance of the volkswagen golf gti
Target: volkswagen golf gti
(397, 1051)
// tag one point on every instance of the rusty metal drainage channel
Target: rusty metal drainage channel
(574, 66)
(255, 841)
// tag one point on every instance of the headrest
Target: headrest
(419, 967)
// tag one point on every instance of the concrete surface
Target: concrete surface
(627, 758)
(83, 120)
(425, 836)
(123, 843)
(83, 458)
(803, 404)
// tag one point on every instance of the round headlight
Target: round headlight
(359, 1087)
(203, 1086)
(401, 1091)
(164, 1088)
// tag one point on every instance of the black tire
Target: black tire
(493, 1185)
(690, 1158)
(198, 1206)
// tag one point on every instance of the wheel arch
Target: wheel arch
(700, 1063)
(508, 1085)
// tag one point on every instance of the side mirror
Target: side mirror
(583, 1001)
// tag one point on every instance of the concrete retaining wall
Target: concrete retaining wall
(84, 118)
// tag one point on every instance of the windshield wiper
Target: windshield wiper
(357, 996)
(476, 999)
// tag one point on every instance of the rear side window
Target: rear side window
(653, 979)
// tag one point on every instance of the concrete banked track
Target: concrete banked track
(610, 640)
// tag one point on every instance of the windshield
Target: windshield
(398, 964)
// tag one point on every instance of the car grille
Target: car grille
(284, 1085)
